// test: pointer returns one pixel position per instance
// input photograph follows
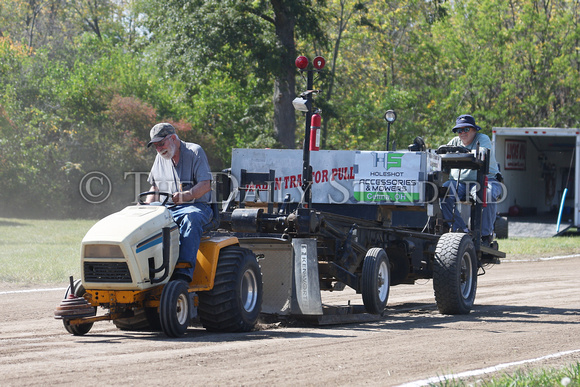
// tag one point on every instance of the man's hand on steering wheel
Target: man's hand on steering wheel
(143, 197)
(182, 197)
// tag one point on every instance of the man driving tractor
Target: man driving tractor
(469, 136)
(181, 169)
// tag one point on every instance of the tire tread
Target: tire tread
(219, 309)
(446, 284)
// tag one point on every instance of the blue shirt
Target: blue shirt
(471, 174)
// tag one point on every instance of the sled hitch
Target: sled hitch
(105, 317)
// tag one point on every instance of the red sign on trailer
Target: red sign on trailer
(515, 155)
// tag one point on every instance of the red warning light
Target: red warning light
(319, 63)
(301, 62)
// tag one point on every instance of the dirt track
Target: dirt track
(523, 311)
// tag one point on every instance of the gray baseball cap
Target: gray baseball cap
(159, 132)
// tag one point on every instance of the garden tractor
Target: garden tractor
(127, 260)
(320, 220)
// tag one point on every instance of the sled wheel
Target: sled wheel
(455, 274)
(144, 319)
(174, 308)
(235, 302)
(375, 281)
(80, 329)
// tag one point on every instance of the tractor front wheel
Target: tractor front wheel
(175, 308)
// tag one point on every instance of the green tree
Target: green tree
(59, 122)
(513, 63)
(387, 62)
(240, 38)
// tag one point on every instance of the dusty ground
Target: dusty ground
(524, 310)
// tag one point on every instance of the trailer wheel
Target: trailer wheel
(235, 302)
(80, 329)
(375, 281)
(501, 226)
(174, 308)
(455, 274)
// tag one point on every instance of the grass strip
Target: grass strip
(567, 376)
(40, 251)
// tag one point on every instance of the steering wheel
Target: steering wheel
(143, 195)
(443, 149)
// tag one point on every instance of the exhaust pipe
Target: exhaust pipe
(166, 248)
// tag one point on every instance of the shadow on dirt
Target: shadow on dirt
(409, 316)
(200, 335)
(424, 316)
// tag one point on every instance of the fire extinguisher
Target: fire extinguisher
(485, 192)
(315, 131)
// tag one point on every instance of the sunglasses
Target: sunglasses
(462, 130)
(160, 144)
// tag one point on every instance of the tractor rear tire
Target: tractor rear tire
(175, 308)
(235, 301)
(80, 329)
(455, 273)
(375, 281)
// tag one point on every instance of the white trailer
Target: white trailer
(538, 164)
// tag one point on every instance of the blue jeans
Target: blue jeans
(190, 218)
(458, 193)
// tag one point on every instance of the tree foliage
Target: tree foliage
(82, 81)
(240, 39)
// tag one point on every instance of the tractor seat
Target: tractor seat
(215, 220)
